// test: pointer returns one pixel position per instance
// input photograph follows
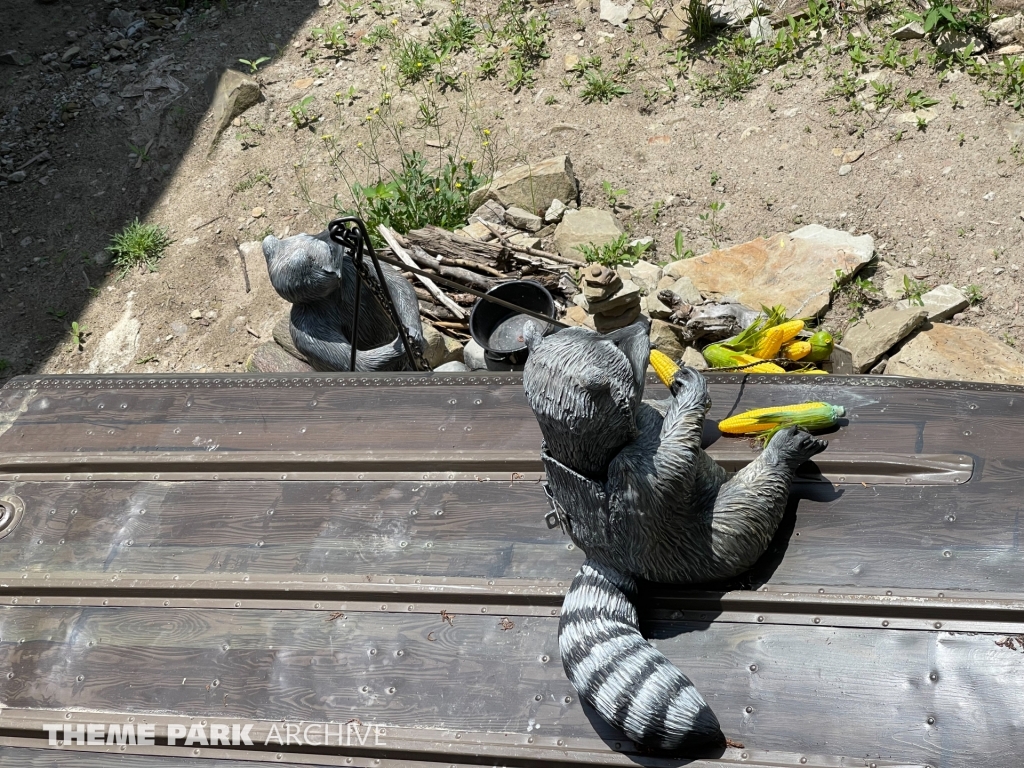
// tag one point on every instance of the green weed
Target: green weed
(615, 253)
(138, 245)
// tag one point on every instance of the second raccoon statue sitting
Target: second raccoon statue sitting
(633, 488)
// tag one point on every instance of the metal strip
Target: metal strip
(407, 743)
(835, 468)
(414, 379)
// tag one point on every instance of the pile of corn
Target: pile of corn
(772, 336)
(763, 422)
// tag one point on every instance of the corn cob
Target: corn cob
(663, 367)
(721, 357)
(821, 347)
(770, 341)
(796, 349)
(808, 415)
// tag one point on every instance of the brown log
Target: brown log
(441, 242)
(459, 275)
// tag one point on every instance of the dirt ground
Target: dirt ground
(944, 199)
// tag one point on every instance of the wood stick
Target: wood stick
(446, 324)
(531, 251)
(467, 264)
(459, 275)
(427, 283)
(245, 269)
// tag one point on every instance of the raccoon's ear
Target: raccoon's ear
(532, 335)
(270, 246)
(635, 343)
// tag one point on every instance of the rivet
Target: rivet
(483, 610)
(749, 710)
(753, 667)
(538, 697)
(544, 659)
(889, 593)
(760, 618)
(817, 620)
(885, 623)
(568, 699)
(391, 690)
(933, 677)
(938, 625)
(803, 760)
(530, 740)
(560, 742)
(942, 594)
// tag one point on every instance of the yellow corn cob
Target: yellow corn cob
(663, 367)
(796, 350)
(772, 339)
(720, 357)
(808, 415)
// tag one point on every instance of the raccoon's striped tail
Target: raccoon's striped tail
(632, 685)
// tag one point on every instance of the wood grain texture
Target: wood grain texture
(848, 691)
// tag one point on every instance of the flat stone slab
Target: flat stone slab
(665, 338)
(796, 270)
(531, 187)
(628, 294)
(955, 353)
(585, 226)
(940, 303)
(644, 274)
(878, 332)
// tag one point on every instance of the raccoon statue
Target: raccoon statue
(631, 485)
(318, 277)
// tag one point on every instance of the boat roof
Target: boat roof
(374, 551)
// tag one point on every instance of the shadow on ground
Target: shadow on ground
(80, 156)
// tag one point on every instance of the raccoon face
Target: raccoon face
(302, 268)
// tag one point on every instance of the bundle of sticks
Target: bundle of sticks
(472, 263)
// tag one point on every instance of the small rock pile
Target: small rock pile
(613, 302)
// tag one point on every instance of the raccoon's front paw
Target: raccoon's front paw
(692, 387)
(795, 445)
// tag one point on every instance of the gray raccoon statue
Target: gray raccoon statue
(631, 485)
(318, 277)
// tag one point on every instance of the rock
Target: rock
(958, 353)
(893, 287)
(231, 94)
(578, 316)
(17, 177)
(196, 314)
(303, 83)
(491, 211)
(675, 23)
(473, 356)
(70, 54)
(693, 358)
(911, 31)
(606, 323)
(665, 338)
(796, 270)
(616, 15)
(628, 295)
(950, 42)
(879, 368)
(477, 231)
(524, 220)
(940, 303)
(654, 307)
(258, 212)
(119, 347)
(1008, 50)
(531, 187)
(925, 115)
(101, 100)
(645, 275)
(732, 13)
(271, 357)
(760, 29)
(555, 211)
(570, 62)
(455, 366)
(15, 58)
(587, 225)
(441, 349)
(852, 156)
(524, 240)
(1007, 30)
(845, 169)
(878, 331)
(842, 361)
(282, 334)
(120, 19)
(682, 287)
(602, 276)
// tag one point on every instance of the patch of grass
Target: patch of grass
(974, 294)
(698, 15)
(914, 289)
(78, 334)
(416, 195)
(614, 253)
(710, 220)
(612, 195)
(414, 59)
(304, 113)
(332, 38)
(138, 246)
(254, 64)
(458, 33)
(599, 87)
(679, 246)
(252, 178)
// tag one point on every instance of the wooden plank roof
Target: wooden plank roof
(336, 548)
